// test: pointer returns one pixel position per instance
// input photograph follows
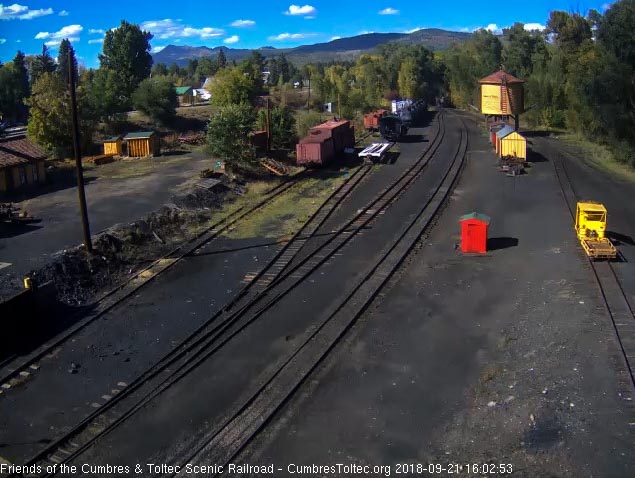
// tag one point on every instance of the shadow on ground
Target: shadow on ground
(57, 179)
(42, 320)
(620, 239)
(412, 138)
(12, 230)
(535, 157)
(496, 243)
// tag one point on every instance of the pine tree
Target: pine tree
(42, 64)
(22, 89)
(62, 62)
(221, 59)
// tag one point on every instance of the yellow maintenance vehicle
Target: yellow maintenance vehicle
(590, 226)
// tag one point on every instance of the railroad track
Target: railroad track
(10, 369)
(232, 319)
(225, 445)
(115, 296)
(613, 295)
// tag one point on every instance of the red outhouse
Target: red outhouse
(474, 232)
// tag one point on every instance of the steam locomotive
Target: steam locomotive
(405, 113)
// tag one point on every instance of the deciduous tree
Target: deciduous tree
(228, 135)
(50, 122)
(231, 86)
(156, 97)
(126, 53)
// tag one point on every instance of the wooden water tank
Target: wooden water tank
(502, 94)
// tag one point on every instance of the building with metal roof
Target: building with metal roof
(22, 163)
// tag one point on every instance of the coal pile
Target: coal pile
(81, 278)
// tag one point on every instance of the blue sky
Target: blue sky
(26, 25)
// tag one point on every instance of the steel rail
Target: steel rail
(238, 431)
(613, 295)
(190, 351)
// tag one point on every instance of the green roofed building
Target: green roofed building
(185, 94)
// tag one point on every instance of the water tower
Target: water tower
(502, 96)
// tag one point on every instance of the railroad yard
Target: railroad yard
(390, 254)
(367, 319)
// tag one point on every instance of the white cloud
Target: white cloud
(496, 30)
(308, 11)
(335, 38)
(96, 31)
(492, 27)
(3, 40)
(388, 11)
(534, 26)
(243, 23)
(168, 28)
(412, 30)
(70, 31)
(290, 36)
(232, 39)
(63, 13)
(157, 48)
(96, 40)
(21, 12)
(365, 32)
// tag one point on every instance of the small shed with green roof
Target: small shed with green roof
(143, 143)
(185, 94)
(474, 232)
(113, 146)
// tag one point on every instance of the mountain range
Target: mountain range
(341, 49)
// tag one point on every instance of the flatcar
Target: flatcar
(392, 128)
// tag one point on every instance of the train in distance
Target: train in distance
(404, 113)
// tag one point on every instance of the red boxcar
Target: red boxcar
(371, 120)
(332, 137)
(309, 153)
(341, 131)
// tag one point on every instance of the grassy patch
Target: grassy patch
(599, 155)
(137, 167)
(286, 214)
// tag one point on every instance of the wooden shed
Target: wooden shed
(143, 143)
(113, 146)
(185, 95)
(22, 164)
(510, 144)
(502, 94)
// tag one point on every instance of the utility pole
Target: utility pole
(309, 103)
(88, 244)
(268, 121)
(339, 106)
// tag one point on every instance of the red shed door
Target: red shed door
(472, 237)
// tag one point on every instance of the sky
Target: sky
(27, 25)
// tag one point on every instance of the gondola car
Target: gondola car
(392, 128)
